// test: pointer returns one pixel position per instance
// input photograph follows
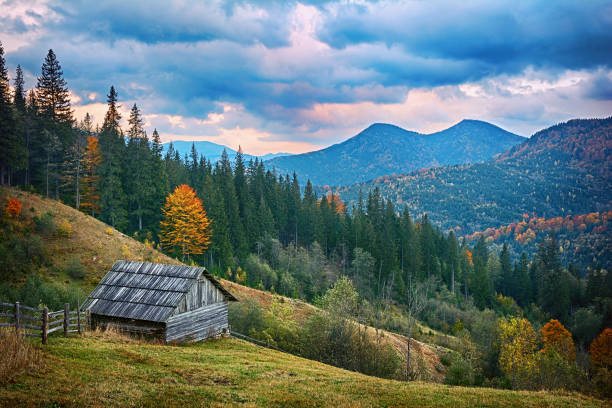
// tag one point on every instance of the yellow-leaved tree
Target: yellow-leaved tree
(517, 357)
(185, 228)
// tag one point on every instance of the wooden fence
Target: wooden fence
(258, 342)
(34, 322)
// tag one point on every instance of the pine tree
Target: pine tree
(10, 146)
(506, 272)
(137, 173)
(160, 186)
(112, 149)
(23, 131)
(521, 282)
(481, 283)
(54, 107)
(554, 293)
(73, 160)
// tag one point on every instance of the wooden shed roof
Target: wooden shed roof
(146, 291)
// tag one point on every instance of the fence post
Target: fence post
(45, 324)
(17, 317)
(66, 318)
(78, 317)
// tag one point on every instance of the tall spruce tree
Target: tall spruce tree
(137, 171)
(56, 114)
(160, 186)
(11, 147)
(112, 149)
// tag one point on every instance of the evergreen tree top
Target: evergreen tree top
(19, 98)
(52, 91)
(112, 118)
(4, 81)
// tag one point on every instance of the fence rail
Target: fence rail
(255, 341)
(34, 322)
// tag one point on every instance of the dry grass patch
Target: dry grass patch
(18, 356)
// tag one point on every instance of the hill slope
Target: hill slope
(100, 370)
(98, 246)
(546, 182)
(585, 239)
(386, 149)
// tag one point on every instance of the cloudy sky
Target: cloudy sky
(296, 76)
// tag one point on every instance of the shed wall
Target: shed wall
(198, 324)
(139, 327)
(202, 293)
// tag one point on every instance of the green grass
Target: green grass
(103, 371)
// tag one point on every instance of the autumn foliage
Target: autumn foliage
(557, 338)
(13, 207)
(517, 350)
(601, 350)
(185, 227)
(334, 200)
(91, 161)
(525, 231)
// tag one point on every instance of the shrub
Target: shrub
(45, 224)
(13, 207)
(18, 355)
(74, 268)
(64, 229)
(458, 373)
(125, 252)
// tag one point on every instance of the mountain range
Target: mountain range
(384, 149)
(212, 151)
(562, 170)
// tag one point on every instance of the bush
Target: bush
(64, 230)
(458, 373)
(74, 268)
(45, 224)
(13, 207)
(18, 355)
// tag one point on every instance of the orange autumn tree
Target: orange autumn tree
(557, 338)
(185, 228)
(91, 161)
(601, 350)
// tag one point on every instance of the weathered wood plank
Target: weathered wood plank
(58, 328)
(29, 326)
(11, 315)
(30, 318)
(33, 335)
(33, 309)
(7, 324)
(7, 304)
(198, 324)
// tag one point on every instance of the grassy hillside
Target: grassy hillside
(109, 370)
(98, 246)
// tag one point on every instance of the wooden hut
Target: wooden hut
(171, 302)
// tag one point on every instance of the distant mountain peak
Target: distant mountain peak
(383, 149)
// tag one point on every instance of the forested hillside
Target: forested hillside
(383, 149)
(585, 239)
(545, 182)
